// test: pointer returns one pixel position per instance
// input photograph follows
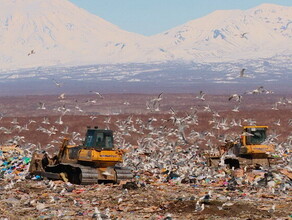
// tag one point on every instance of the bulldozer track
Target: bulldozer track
(123, 173)
(85, 175)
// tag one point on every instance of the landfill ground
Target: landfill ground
(36, 200)
(153, 142)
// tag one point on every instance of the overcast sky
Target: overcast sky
(149, 17)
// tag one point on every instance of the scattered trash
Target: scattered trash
(174, 189)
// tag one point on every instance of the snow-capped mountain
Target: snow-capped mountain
(58, 32)
(261, 32)
(37, 33)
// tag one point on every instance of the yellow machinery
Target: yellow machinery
(250, 149)
(95, 160)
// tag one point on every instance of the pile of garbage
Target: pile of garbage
(179, 186)
(14, 162)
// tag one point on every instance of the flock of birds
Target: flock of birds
(177, 128)
(172, 142)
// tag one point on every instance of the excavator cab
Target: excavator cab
(98, 139)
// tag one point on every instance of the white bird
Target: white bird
(107, 120)
(107, 173)
(78, 108)
(207, 109)
(59, 120)
(246, 134)
(65, 131)
(14, 121)
(154, 103)
(236, 108)
(61, 96)
(31, 121)
(148, 107)
(76, 203)
(62, 191)
(31, 52)
(199, 208)
(201, 96)
(258, 90)
(98, 215)
(236, 97)
(159, 98)
(58, 84)
(226, 205)
(278, 123)
(243, 35)
(120, 200)
(45, 121)
(242, 72)
(92, 117)
(215, 114)
(52, 199)
(91, 101)
(206, 198)
(98, 94)
(275, 106)
(41, 106)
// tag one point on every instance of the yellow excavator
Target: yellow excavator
(94, 161)
(250, 149)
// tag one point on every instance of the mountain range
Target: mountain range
(38, 33)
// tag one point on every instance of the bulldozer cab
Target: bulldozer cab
(99, 139)
(258, 135)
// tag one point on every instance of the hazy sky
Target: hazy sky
(149, 17)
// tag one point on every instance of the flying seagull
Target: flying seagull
(236, 97)
(242, 72)
(31, 52)
(158, 99)
(58, 84)
(41, 106)
(243, 35)
(97, 93)
(201, 96)
(62, 96)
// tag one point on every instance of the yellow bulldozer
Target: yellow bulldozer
(250, 149)
(94, 161)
